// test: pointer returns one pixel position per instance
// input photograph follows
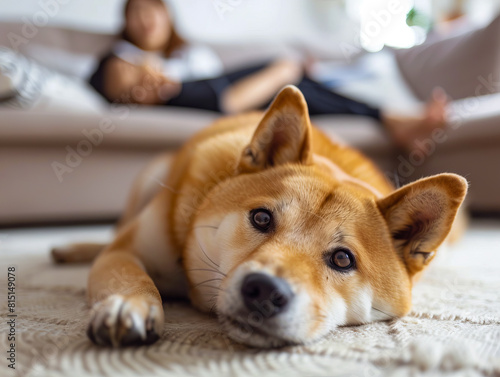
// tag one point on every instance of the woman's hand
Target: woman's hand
(129, 83)
(156, 81)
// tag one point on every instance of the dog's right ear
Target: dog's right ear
(283, 135)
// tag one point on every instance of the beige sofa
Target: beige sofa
(43, 177)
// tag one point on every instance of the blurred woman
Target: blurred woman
(152, 65)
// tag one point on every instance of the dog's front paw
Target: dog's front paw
(125, 321)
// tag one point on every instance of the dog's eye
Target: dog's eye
(341, 260)
(261, 219)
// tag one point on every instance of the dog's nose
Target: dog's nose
(266, 294)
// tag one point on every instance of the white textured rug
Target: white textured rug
(454, 328)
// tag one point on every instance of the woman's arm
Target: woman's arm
(256, 90)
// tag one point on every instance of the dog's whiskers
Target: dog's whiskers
(201, 247)
(206, 281)
(204, 261)
(212, 309)
(208, 270)
(212, 295)
(213, 298)
(211, 286)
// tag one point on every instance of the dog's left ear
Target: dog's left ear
(420, 216)
(283, 135)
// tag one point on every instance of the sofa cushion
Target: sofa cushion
(464, 66)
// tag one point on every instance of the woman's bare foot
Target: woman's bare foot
(405, 130)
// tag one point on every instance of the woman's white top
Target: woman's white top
(189, 63)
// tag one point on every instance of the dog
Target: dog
(265, 221)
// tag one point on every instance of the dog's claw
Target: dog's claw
(125, 321)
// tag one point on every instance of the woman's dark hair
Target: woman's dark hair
(175, 41)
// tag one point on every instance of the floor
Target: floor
(454, 327)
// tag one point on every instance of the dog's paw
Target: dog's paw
(125, 321)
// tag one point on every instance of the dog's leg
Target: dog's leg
(127, 277)
(126, 305)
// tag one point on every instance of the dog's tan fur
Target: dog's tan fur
(187, 233)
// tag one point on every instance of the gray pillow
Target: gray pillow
(27, 85)
(21, 80)
(464, 66)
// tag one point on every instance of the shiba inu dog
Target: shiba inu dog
(265, 221)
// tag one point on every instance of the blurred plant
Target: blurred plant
(420, 19)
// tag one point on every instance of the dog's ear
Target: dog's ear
(420, 216)
(283, 135)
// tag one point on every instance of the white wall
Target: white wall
(221, 20)
(99, 15)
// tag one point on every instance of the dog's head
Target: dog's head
(287, 251)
